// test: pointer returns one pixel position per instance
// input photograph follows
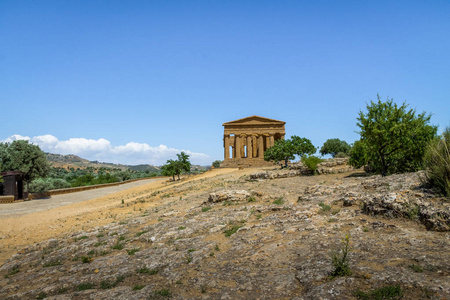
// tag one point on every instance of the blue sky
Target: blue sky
(138, 81)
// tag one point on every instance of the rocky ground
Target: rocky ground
(229, 237)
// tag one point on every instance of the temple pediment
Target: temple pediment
(254, 120)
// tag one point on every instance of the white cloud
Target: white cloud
(102, 150)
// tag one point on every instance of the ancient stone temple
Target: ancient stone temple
(245, 140)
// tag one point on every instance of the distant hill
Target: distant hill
(74, 161)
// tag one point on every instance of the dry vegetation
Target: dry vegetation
(268, 239)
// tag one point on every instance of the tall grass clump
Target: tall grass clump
(437, 163)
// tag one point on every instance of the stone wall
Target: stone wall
(50, 193)
(6, 199)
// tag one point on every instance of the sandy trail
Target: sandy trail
(28, 207)
(40, 221)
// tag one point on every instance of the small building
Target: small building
(12, 184)
(245, 140)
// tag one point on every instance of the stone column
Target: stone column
(238, 146)
(261, 147)
(272, 140)
(226, 143)
(249, 147)
(255, 146)
(267, 142)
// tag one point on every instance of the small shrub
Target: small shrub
(138, 287)
(14, 270)
(85, 286)
(86, 259)
(163, 293)
(132, 251)
(251, 199)
(279, 201)
(341, 155)
(339, 259)
(416, 268)
(41, 295)
(386, 292)
(52, 263)
(205, 209)
(105, 285)
(217, 247)
(181, 228)
(311, 162)
(117, 246)
(216, 163)
(232, 230)
(141, 233)
(324, 208)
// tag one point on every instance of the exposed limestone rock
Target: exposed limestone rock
(228, 195)
(276, 246)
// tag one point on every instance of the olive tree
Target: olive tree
(394, 137)
(334, 146)
(287, 149)
(25, 157)
(176, 167)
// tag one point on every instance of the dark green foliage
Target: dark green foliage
(311, 162)
(163, 293)
(232, 230)
(416, 268)
(279, 201)
(358, 154)
(342, 155)
(14, 270)
(383, 293)
(437, 163)
(52, 263)
(138, 287)
(25, 157)
(85, 286)
(216, 163)
(176, 167)
(324, 208)
(132, 251)
(340, 259)
(287, 149)
(334, 146)
(394, 136)
(41, 295)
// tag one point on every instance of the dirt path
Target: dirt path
(28, 207)
(27, 226)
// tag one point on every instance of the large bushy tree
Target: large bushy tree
(287, 149)
(334, 146)
(394, 137)
(25, 157)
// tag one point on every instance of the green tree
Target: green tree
(176, 167)
(25, 157)
(216, 163)
(287, 149)
(358, 157)
(184, 162)
(334, 146)
(169, 169)
(394, 136)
